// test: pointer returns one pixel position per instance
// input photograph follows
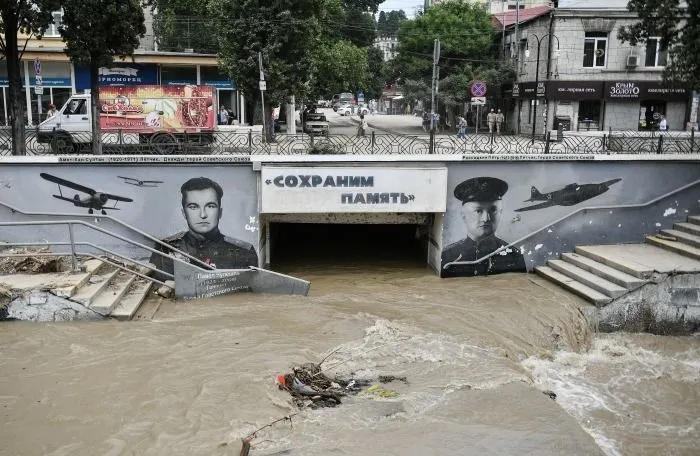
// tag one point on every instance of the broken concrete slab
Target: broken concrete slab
(44, 307)
(62, 284)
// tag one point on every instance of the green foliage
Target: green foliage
(388, 23)
(348, 24)
(340, 67)
(96, 31)
(285, 31)
(416, 90)
(375, 80)
(677, 23)
(363, 5)
(465, 32)
(179, 25)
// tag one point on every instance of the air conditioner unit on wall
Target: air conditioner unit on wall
(632, 61)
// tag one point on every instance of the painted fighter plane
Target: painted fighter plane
(570, 195)
(93, 201)
(139, 182)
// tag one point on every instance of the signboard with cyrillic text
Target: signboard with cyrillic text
(303, 190)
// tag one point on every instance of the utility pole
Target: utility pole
(263, 86)
(436, 60)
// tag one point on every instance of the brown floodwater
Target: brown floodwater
(477, 354)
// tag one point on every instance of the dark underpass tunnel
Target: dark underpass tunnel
(310, 244)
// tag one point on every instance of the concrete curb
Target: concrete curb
(385, 130)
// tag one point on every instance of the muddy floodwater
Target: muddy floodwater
(478, 354)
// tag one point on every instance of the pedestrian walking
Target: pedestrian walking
(461, 127)
(223, 115)
(362, 126)
(491, 120)
(500, 118)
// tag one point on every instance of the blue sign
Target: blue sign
(478, 89)
(46, 82)
(179, 82)
(118, 74)
(220, 84)
(360, 97)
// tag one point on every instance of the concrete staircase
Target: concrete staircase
(101, 287)
(603, 273)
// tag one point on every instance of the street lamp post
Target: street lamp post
(537, 72)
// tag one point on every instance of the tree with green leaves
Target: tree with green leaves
(677, 24)
(20, 21)
(182, 24)
(388, 23)
(285, 32)
(375, 79)
(95, 32)
(340, 67)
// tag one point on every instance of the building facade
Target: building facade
(573, 70)
(388, 45)
(60, 78)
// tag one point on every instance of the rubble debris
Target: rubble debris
(31, 264)
(167, 290)
(309, 387)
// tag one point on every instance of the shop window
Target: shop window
(589, 115)
(595, 49)
(656, 54)
(650, 112)
(52, 29)
(178, 74)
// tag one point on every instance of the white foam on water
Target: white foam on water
(627, 388)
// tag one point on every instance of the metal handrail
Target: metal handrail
(107, 217)
(70, 224)
(561, 219)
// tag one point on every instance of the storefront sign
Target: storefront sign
(357, 189)
(643, 90)
(220, 84)
(46, 82)
(529, 89)
(575, 90)
(117, 75)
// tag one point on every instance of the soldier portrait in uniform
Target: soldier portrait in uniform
(481, 211)
(201, 207)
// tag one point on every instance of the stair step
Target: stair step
(132, 300)
(694, 219)
(675, 246)
(690, 228)
(682, 236)
(92, 289)
(93, 265)
(108, 299)
(632, 268)
(589, 279)
(586, 292)
(610, 274)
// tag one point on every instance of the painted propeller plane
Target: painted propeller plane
(92, 200)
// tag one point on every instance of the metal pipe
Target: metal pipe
(74, 260)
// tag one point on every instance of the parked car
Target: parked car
(316, 124)
(347, 110)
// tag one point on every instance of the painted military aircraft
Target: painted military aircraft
(93, 201)
(139, 182)
(570, 195)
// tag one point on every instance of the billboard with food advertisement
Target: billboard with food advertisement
(151, 108)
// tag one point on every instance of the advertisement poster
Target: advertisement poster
(187, 108)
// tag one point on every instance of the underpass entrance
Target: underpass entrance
(302, 245)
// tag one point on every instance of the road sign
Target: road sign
(263, 85)
(360, 97)
(479, 88)
(478, 101)
(39, 85)
(37, 66)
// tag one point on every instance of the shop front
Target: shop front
(618, 105)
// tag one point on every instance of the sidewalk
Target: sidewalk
(399, 124)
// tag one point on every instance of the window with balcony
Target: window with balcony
(52, 30)
(656, 55)
(595, 48)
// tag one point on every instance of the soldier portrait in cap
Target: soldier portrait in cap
(201, 208)
(481, 210)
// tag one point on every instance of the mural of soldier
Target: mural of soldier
(481, 211)
(201, 207)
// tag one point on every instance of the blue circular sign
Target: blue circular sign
(479, 88)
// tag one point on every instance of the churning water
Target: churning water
(477, 353)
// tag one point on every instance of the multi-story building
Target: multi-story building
(572, 69)
(499, 6)
(150, 66)
(387, 44)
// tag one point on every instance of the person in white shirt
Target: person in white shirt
(663, 124)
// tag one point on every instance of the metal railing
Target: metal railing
(374, 143)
